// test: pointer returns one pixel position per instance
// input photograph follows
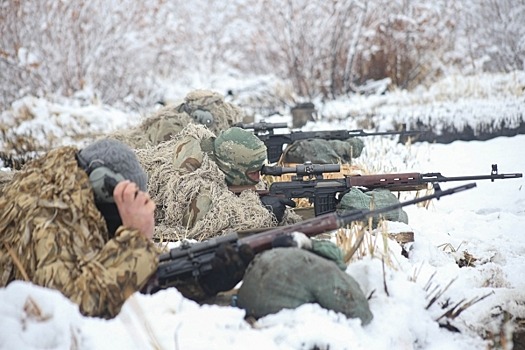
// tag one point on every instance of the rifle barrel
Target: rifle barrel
(361, 132)
(437, 177)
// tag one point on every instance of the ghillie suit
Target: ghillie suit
(188, 178)
(5, 177)
(199, 107)
(54, 236)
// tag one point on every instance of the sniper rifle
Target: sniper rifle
(275, 142)
(194, 260)
(308, 182)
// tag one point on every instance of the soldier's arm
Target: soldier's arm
(98, 275)
(99, 282)
(187, 154)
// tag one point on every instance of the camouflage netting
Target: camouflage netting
(378, 198)
(173, 190)
(170, 120)
(320, 151)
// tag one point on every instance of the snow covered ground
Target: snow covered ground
(482, 227)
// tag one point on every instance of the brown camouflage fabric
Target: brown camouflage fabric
(188, 157)
(164, 124)
(53, 235)
(5, 178)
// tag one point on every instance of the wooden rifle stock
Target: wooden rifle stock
(417, 181)
(393, 182)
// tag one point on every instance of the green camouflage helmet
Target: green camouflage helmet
(238, 152)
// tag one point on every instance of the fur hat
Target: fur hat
(116, 156)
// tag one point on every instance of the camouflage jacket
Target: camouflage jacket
(53, 235)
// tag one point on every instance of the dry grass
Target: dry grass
(436, 296)
(358, 240)
(463, 259)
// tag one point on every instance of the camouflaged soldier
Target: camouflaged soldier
(209, 108)
(59, 232)
(81, 222)
(202, 107)
(239, 154)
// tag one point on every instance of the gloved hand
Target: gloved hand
(294, 239)
(228, 266)
(277, 205)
